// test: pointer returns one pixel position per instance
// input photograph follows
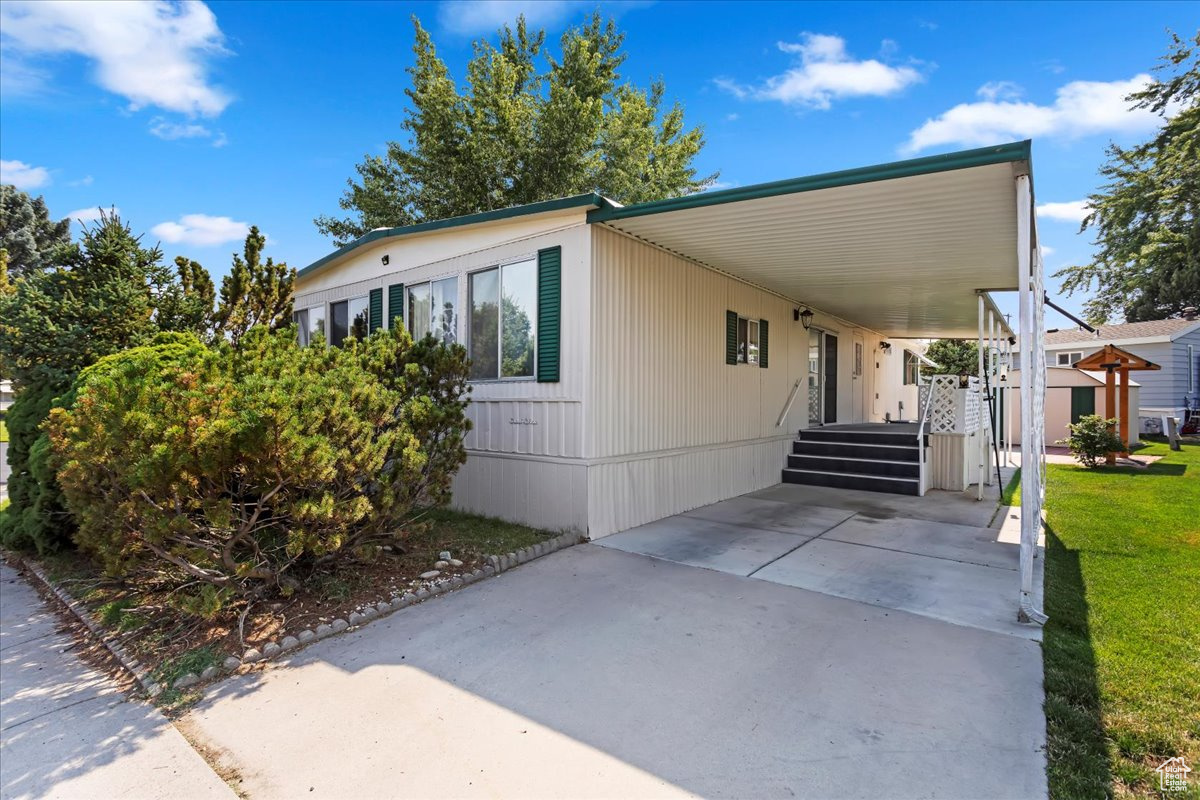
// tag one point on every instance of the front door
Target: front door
(829, 379)
(822, 377)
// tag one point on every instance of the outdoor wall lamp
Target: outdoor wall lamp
(805, 317)
(886, 346)
(385, 260)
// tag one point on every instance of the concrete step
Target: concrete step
(886, 452)
(844, 480)
(856, 466)
(881, 436)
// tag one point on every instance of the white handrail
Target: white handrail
(921, 440)
(788, 405)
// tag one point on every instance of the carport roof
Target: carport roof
(901, 248)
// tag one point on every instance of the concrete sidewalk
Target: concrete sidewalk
(598, 673)
(67, 732)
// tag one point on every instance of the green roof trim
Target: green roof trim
(559, 204)
(983, 156)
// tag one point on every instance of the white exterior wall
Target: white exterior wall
(647, 420)
(671, 426)
(525, 450)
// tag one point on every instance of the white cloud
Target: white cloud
(91, 214)
(1080, 108)
(201, 230)
(469, 17)
(1070, 211)
(86, 180)
(826, 72)
(22, 175)
(151, 53)
(170, 131)
(1047, 250)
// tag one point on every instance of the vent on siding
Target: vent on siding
(549, 314)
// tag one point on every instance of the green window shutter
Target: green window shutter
(762, 343)
(375, 315)
(549, 314)
(731, 341)
(395, 304)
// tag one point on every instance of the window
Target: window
(310, 323)
(1067, 359)
(747, 341)
(432, 310)
(912, 368)
(348, 318)
(503, 305)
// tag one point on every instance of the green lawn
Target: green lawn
(3, 432)
(1122, 648)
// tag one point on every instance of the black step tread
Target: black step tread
(842, 480)
(854, 466)
(886, 452)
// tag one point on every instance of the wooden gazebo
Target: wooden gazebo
(1114, 360)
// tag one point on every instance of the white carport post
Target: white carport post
(1032, 382)
(981, 451)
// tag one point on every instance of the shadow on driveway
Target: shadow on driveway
(599, 673)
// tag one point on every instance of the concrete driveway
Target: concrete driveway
(596, 672)
(938, 555)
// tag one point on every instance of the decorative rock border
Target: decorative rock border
(494, 566)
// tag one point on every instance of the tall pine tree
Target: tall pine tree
(1146, 219)
(519, 135)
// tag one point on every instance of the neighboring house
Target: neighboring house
(634, 362)
(1070, 394)
(1173, 344)
(7, 395)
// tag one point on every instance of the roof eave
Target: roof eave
(1015, 152)
(587, 200)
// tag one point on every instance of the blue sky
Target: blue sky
(196, 120)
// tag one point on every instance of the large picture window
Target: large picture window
(310, 324)
(348, 318)
(503, 302)
(432, 309)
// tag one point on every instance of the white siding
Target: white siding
(670, 425)
(526, 443)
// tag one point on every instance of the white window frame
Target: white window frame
(1071, 357)
(911, 360)
(366, 298)
(751, 337)
(322, 307)
(469, 309)
(408, 321)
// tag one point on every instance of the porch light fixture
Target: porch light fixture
(805, 318)
(385, 259)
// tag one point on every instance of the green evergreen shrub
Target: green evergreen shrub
(1092, 439)
(237, 472)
